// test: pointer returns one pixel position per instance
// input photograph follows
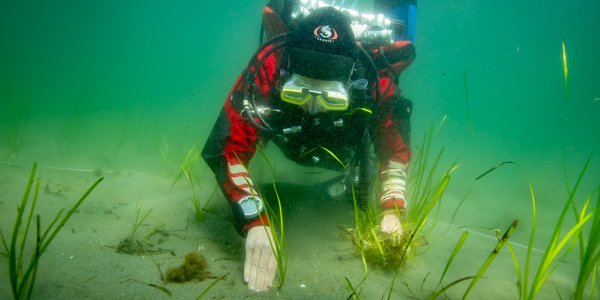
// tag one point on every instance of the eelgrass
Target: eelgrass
(139, 219)
(590, 255)
(503, 240)
(530, 282)
(589, 248)
(360, 236)
(418, 225)
(565, 71)
(453, 255)
(424, 192)
(355, 290)
(275, 226)
(190, 168)
(278, 241)
(389, 250)
(130, 244)
(211, 286)
(375, 246)
(422, 182)
(364, 235)
(22, 274)
(378, 248)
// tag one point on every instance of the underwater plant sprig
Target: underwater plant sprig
(494, 168)
(503, 240)
(22, 274)
(455, 251)
(190, 169)
(565, 70)
(590, 253)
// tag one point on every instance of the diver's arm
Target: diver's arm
(393, 177)
(232, 144)
(392, 149)
(227, 151)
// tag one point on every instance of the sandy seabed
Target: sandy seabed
(83, 262)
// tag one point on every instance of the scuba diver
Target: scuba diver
(323, 82)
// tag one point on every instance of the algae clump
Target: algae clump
(193, 268)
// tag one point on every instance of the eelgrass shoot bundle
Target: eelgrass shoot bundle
(130, 245)
(139, 219)
(420, 222)
(22, 273)
(375, 246)
(381, 249)
(424, 192)
(390, 251)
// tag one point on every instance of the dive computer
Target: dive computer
(251, 207)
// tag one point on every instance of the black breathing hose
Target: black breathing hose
(277, 42)
(364, 96)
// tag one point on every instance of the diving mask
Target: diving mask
(314, 95)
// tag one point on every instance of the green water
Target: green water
(131, 86)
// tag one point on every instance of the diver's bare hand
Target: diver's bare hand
(390, 223)
(260, 264)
